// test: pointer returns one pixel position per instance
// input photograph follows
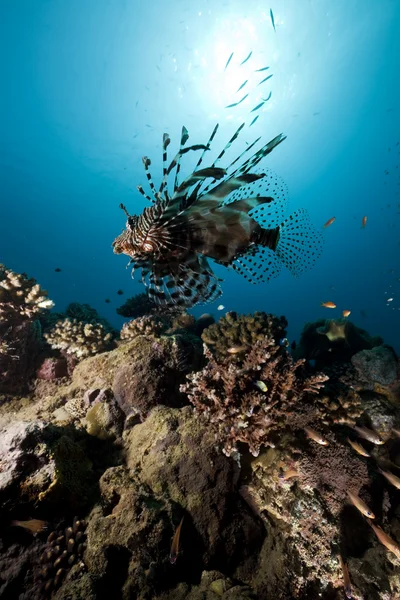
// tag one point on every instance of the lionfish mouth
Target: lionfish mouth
(234, 215)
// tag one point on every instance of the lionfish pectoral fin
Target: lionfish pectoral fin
(300, 243)
(258, 264)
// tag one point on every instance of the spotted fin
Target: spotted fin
(295, 243)
(300, 243)
(183, 284)
(258, 264)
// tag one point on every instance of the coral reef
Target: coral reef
(235, 331)
(249, 402)
(120, 444)
(79, 338)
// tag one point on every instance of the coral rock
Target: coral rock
(52, 368)
(378, 365)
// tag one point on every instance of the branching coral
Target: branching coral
(79, 338)
(235, 330)
(86, 314)
(146, 325)
(249, 401)
(137, 306)
(21, 298)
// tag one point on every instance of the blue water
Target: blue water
(89, 87)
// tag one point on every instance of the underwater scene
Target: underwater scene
(200, 300)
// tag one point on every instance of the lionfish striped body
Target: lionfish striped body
(238, 220)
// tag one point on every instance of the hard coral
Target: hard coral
(64, 549)
(235, 330)
(137, 306)
(21, 302)
(20, 298)
(87, 314)
(79, 338)
(249, 401)
(146, 325)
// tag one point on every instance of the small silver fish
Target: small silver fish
(220, 307)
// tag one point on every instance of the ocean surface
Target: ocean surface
(90, 86)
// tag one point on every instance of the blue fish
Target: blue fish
(242, 86)
(257, 107)
(254, 120)
(263, 69)
(246, 59)
(272, 19)
(229, 60)
(266, 79)
(236, 103)
(267, 98)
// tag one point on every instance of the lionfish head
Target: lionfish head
(123, 244)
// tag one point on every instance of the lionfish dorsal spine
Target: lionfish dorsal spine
(163, 186)
(184, 139)
(221, 154)
(212, 136)
(141, 191)
(146, 163)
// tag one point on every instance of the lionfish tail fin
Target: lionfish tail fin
(299, 242)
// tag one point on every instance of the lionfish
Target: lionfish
(233, 215)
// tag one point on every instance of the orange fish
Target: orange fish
(346, 313)
(386, 540)
(328, 304)
(173, 555)
(393, 479)
(364, 222)
(360, 504)
(33, 525)
(358, 448)
(237, 349)
(346, 578)
(289, 474)
(329, 222)
(369, 435)
(314, 435)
